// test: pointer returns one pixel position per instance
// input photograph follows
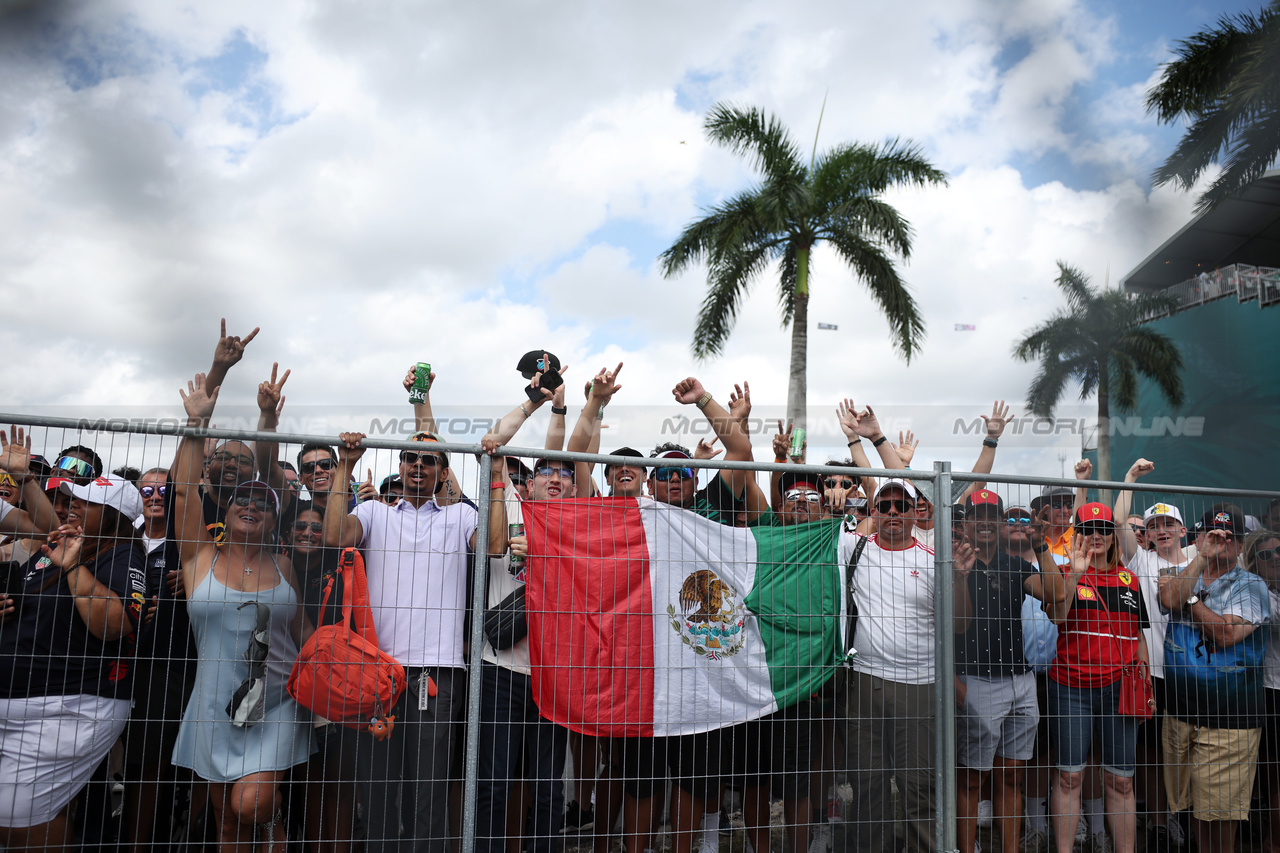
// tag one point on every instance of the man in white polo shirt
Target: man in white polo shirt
(891, 714)
(416, 562)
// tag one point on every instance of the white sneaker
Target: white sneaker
(710, 843)
(1035, 841)
(820, 842)
(984, 814)
(1082, 831)
(1100, 843)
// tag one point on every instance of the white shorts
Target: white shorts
(49, 747)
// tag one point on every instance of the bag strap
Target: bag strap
(355, 595)
(1111, 625)
(849, 605)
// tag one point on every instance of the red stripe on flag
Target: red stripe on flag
(590, 613)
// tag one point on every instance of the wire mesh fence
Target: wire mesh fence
(550, 650)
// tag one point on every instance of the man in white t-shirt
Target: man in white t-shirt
(891, 713)
(1157, 552)
(415, 555)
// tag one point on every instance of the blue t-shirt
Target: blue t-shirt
(47, 650)
(1208, 686)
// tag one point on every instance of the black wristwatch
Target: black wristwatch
(561, 411)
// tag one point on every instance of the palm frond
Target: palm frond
(869, 263)
(1075, 285)
(728, 283)
(756, 135)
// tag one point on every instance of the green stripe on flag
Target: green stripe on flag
(796, 599)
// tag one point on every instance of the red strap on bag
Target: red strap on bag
(341, 674)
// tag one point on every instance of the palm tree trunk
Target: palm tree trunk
(797, 389)
(1104, 435)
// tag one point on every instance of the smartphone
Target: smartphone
(12, 581)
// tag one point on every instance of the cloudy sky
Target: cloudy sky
(376, 184)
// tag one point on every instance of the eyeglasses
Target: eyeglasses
(548, 471)
(224, 458)
(412, 457)
(260, 504)
(78, 466)
(1018, 519)
(803, 495)
(883, 507)
(304, 526)
(152, 491)
(837, 483)
(664, 474)
(1269, 554)
(322, 464)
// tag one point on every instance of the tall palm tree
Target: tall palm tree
(1226, 82)
(836, 198)
(1102, 341)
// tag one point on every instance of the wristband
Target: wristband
(703, 400)
(497, 484)
(523, 410)
(563, 410)
(855, 441)
(989, 442)
(1043, 547)
(779, 459)
(599, 414)
(879, 441)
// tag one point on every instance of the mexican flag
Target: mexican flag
(646, 620)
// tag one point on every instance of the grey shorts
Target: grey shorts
(999, 717)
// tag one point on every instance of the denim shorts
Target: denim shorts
(1078, 715)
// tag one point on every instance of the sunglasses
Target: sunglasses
(1269, 554)
(152, 491)
(412, 457)
(78, 466)
(664, 474)
(1018, 519)
(313, 526)
(837, 483)
(260, 504)
(883, 507)
(6, 480)
(1095, 529)
(548, 471)
(322, 464)
(519, 480)
(802, 495)
(224, 458)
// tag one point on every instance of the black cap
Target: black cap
(528, 364)
(1048, 494)
(1224, 519)
(625, 451)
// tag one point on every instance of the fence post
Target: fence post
(478, 593)
(944, 691)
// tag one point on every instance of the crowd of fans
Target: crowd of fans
(132, 601)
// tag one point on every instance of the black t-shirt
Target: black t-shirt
(716, 502)
(992, 646)
(313, 583)
(47, 649)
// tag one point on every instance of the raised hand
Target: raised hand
(550, 394)
(350, 450)
(966, 559)
(230, 348)
(906, 446)
(688, 391)
(740, 403)
(199, 399)
(782, 442)
(1215, 543)
(869, 425)
(847, 415)
(1141, 468)
(998, 420)
(1079, 556)
(1084, 470)
(15, 456)
(409, 379)
(270, 399)
(705, 450)
(367, 491)
(603, 386)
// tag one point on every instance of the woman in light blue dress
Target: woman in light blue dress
(243, 764)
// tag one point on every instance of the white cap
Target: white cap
(905, 485)
(1157, 510)
(108, 490)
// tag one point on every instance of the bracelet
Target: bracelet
(497, 484)
(779, 459)
(523, 410)
(1043, 547)
(703, 400)
(879, 441)
(855, 441)
(599, 414)
(989, 442)
(563, 410)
